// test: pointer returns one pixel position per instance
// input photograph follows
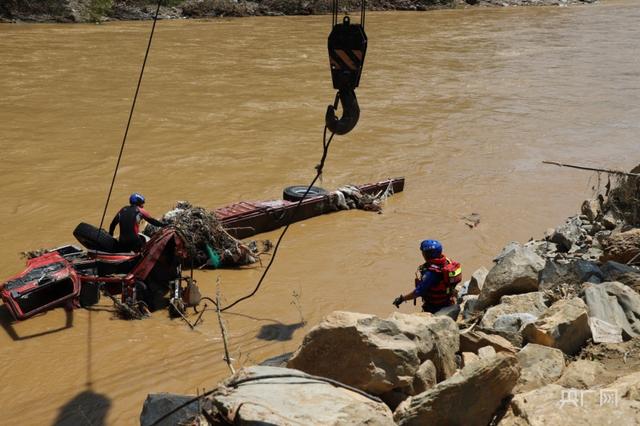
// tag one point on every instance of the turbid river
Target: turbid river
(464, 103)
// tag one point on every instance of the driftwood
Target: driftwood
(593, 169)
(223, 330)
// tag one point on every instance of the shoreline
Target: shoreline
(99, 11)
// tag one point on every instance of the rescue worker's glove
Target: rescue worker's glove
(398, 301)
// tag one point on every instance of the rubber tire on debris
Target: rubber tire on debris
(295, 193)
(89, 294)
(94, 239)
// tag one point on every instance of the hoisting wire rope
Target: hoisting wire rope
(347, 45)
(115, 173)
(133, 107)
(319, 168)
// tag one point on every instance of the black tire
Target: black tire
(94, 238)
(89, 294)
(295, 193)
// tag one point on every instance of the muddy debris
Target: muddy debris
(208, 243)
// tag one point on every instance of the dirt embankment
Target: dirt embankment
(103, 10)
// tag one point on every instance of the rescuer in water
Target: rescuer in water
(129, 218)
(435, 280)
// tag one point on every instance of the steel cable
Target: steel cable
(133, 106)
(319, 167)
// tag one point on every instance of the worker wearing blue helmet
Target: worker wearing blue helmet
(129, 218)
(435, 280)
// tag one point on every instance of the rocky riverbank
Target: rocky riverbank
(550, 332)
(104, 10)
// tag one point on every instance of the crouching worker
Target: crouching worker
(129, 218)
(435, 281)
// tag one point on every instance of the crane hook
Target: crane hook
(350, 113)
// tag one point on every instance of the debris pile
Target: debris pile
(350, 197)
(208, 243)
(624, 199)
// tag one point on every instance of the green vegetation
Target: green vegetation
(98, 9)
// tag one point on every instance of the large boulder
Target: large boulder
(470, 397)
(564, 326)
(603, 301)
(272, 395)
(516, 272)
(557, 405)
(582, 374)
(541, 365)
(507, 312)
(625, 274)
(572, 273)
(378, 355)
(622, 247)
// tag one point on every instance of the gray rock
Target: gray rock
(592, 254)
(629, 300)
(159, 404)
(425, 378)
(378, 355)
(567, 234)
(543, 248)
(486, 352)
(541, 365)
(471, 397)
(605, 307)
(604, 332)
(470, 307)
(513, 323)
(272, 395)
(506, 250)
(473, 340)
(462, 289)
(615, 271)
(516, 272)
(572, 273)
(564, 326)
(527, 303)
(450, 311)
(582, 374)
(477, 280)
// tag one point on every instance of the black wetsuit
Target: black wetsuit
(129, 218)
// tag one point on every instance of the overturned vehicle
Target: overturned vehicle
(72, 277)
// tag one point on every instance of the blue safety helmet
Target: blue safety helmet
(431, 248)
(136, 199)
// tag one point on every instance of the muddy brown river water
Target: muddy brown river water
(464, 103)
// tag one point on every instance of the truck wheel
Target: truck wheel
(94, 238)
(295, 193)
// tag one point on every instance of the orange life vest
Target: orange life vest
(450, 272)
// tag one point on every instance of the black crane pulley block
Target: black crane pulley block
(347, 48)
